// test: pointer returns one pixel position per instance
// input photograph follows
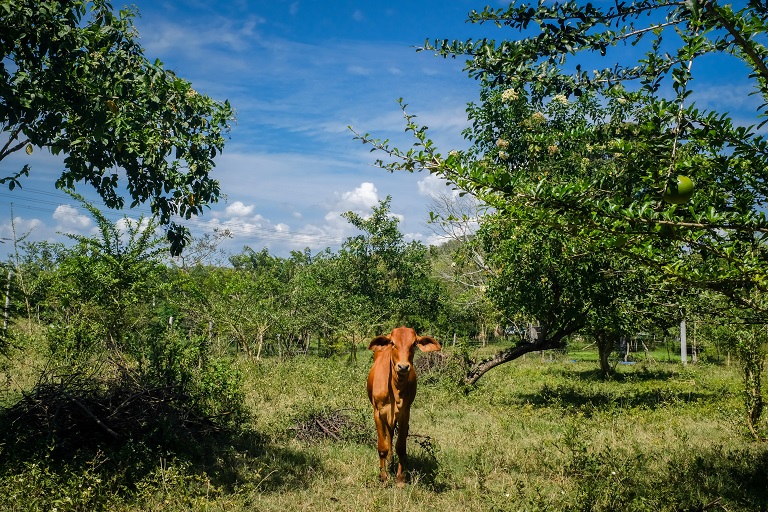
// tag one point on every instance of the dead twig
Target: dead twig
(325, 429)
(93, 416)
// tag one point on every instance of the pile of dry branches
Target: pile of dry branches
(80, 413)
(333, 425)
(429, 362)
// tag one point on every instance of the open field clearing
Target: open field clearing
(604, 223)
(533, 435)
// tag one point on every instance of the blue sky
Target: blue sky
(298, 73)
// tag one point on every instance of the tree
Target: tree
(28, 274)
(248, 300)
(620, 157)
(76, 81)
(460, 264)
(105, 291)
(376, 280)
(308, 302)
(615, 176)
(205, 250)
(548, 280)
(392, 276)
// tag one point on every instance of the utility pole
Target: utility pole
(683, 345)
(7, 301)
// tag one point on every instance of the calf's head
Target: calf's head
(402, 342)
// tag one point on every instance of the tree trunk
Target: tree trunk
(352, 352)
(7, 309)
(605, 344)
(541, 338)
(479, 369)
(261, 345)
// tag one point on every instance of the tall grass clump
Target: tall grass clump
(114, 386)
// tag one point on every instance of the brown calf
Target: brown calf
(391, 390)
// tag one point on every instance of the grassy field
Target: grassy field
(541, 433)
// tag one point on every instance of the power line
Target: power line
(237, 228)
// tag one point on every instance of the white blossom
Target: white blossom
(509, 95)
(538, 118)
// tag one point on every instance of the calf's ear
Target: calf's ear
(427, 344)
(378, 343)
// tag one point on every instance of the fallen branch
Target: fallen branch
(326, 429)
(93, 416)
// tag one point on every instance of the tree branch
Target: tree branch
(7, 149)
(479, 369)
(746, 46)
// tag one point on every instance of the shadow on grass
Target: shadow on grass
(423, 465)
(587, 397)
(587, 390)
(708, 479)
(65, 439)
(737, 476)
(643, 375)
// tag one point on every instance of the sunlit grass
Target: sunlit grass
(540, 433)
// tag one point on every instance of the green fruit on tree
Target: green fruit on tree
(680, 191)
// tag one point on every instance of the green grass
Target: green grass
(536, 434)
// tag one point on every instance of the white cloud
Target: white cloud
(434, 186)
(21, 225)
(69, 219)
(237, 35)
(126, 223)
(360, 199)
(435, 239)
(238, 209)
(358, 15)
(358, 70)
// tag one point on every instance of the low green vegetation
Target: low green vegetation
(140, 377)
(544, 433)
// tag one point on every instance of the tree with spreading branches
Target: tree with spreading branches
(618, 157)
(74, 80)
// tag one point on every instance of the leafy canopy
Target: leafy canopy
(594, 152)
(74, 80)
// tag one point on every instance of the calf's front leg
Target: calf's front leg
(384, 434)
(402, 437)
